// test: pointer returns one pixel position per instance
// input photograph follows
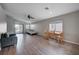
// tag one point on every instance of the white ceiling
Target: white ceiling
(37, 10)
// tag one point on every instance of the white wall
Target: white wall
(11, 24)
(3, 24)
(70, 26)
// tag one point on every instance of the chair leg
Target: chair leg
(58, 40)
(62, 41)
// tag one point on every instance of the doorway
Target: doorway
(18, 28)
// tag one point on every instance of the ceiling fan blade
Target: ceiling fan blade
(30, 17)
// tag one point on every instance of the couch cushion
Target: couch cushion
(12, 35)
(4, 35)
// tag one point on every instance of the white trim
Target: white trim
(71, 42)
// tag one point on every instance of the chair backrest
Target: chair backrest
(62, 34)
(50, 33)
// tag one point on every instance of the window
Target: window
(27, 26)
(31, 26)
(51, 27)
(57, 27)
(18, 28)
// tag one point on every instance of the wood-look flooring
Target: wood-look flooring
(36, 45)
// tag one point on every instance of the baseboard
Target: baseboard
(72, 42)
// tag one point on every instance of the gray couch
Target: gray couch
(8, 41)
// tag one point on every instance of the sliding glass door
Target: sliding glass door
(18, 28)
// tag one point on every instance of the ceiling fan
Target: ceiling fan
(30, 17)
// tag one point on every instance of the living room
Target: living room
(39, 29)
